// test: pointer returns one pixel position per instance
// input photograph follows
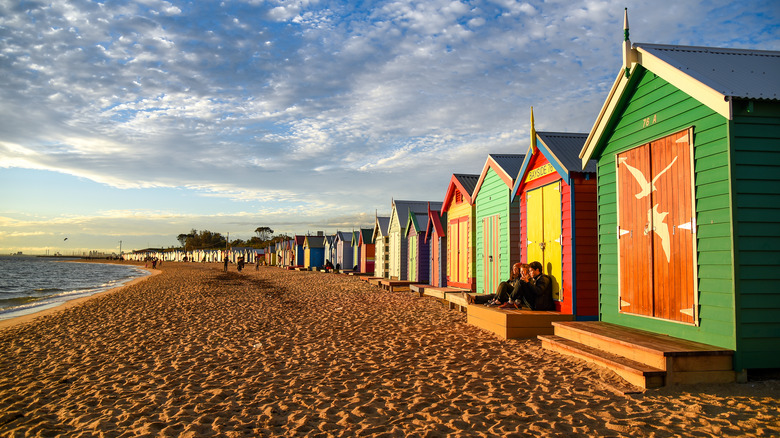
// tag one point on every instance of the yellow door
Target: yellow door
(553, 254)
(544, 241)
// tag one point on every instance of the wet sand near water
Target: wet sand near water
(196, 352)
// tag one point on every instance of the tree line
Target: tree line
(205, 239)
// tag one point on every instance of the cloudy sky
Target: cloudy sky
(138, 121)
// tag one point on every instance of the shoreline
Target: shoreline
(21, 319)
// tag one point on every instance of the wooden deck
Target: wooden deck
(514, 323)
(376, 280)
(457, 300)
(396, 285)
(645, 359)
(419, 288)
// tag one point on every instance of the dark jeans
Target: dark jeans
(503, 293)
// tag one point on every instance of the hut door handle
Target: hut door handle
(541, 245)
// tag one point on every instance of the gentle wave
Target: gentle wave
(30, 285)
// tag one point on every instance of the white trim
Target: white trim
(715, 100)
(618, 87)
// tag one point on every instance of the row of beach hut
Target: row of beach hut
(664, 218)
(662, 223)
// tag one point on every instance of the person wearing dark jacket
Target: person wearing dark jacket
(536, 293)
(504, 290)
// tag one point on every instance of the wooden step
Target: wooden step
(684, 361)
(634, 372)
(419, 288)
(395, 285)
(514, 323)
(457, 301)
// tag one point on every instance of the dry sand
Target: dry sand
(197, 352)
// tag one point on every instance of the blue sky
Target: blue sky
(137, 121)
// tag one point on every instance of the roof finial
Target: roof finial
(629, 56)
(625, 25)
(533, 132)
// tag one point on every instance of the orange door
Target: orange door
(635, 245)
(655, 229)
(672, 226)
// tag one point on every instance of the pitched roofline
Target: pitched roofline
(454, 181)
(553, 159)
(434, 222)
(715, 100)
(618, 87)
(491, 163)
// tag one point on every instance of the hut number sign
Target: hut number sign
(539, 172)
(647, 121)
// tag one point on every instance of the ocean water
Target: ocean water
(31, 284)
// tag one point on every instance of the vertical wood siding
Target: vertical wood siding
(493, 199)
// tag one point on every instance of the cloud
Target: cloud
(306, 104)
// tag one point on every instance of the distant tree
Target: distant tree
(203, 239)
(264, 233)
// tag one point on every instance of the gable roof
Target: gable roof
(343, 236)
(418, 222)
(366, 236)
(436, 221)
(506, 167)
(739, 73)
(381, 225)
(463, 181)
(402, 209)
(562, 151)
(713, 76)
(299, 239)
(315, 241)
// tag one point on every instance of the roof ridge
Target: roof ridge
(725, 50)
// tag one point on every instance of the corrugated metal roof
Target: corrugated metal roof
(422, 220)
(344, 236)
(742, 73)
(567, 146)
(468, 181)
(511, 163)
(316, 241)
(367, 235)
(402, 209)
(384, 224)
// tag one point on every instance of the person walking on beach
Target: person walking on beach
(226, 262)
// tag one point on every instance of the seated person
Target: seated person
(535, 292)
(503, 291)
(328, 266)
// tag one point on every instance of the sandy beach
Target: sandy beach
(196, 352)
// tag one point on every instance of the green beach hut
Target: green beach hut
(688, 152)
(497, 220)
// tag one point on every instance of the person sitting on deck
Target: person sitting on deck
(504, 290)
(328, 266)
(535, 292)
